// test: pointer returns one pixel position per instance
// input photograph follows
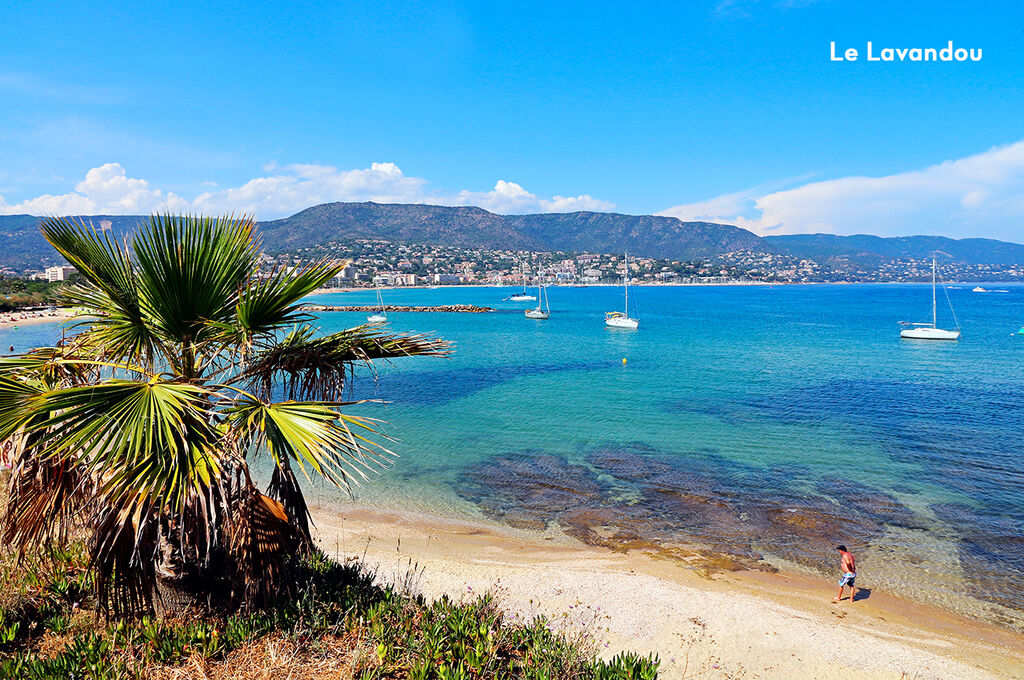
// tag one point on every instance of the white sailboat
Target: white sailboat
(543, 309)
(520, 297)
(930, 331)
(622, 319)
(380, 315)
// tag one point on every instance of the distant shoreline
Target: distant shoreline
(356, 289)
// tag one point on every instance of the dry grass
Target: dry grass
(275, 657)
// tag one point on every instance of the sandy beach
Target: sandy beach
(728, 624)
(26, 318)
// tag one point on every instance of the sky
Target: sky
(725, 110)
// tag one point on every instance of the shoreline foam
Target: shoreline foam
(728, 624)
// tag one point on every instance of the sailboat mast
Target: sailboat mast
(627, 285)
(934, 318)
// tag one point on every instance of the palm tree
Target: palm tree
(140, 429)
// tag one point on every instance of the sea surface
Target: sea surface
(763, 424)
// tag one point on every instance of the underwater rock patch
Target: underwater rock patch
(735, 511)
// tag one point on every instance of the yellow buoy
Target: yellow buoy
(623, 361)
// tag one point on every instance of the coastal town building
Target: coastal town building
(59, 273)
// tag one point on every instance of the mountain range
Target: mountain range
(22, 247)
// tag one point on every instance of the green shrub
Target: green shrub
(88, 657)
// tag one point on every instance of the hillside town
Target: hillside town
(387, 263)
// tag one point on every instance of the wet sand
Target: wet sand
(702, 623)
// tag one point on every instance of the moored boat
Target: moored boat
(381, 315)
(520, 297)
(931, 331)
(622, 319)
(543, 309)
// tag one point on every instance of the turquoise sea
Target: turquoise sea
(764, 423)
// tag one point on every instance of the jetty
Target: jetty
(464, 309)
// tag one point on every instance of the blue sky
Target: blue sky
(727, 110)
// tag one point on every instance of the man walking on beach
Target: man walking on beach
(848, 565)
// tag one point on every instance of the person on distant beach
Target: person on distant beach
(848, 565)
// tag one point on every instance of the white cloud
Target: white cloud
(734, 205)
(509, 197)
(981, 195)
(574, 203)
(105, 190)
(285, 190)
(299, 186)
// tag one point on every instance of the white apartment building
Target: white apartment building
(58, 273)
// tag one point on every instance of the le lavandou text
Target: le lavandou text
(873, 53)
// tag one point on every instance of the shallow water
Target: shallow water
(766, 423)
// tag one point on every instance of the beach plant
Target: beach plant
(140, 428)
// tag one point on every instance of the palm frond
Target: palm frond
(318, 368)
(318, 439)
(190, 271)
(44, 500)
(260, 541)
(150, 438)
(16, 397)
(269, 304)
(43, 495)
(123, 554)
(111, 291)
(284, 488)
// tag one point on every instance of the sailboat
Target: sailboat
(543, 309)
(519, 297)
(622, 319)
(930, 331)
(380, 315)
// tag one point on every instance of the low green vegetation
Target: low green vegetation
(19, 293)
(340, 623)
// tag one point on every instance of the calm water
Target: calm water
(764, 423)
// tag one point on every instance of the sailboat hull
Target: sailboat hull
(537, 314)
(929, 334)
(621, 322)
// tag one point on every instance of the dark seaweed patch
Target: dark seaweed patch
(634, 497)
